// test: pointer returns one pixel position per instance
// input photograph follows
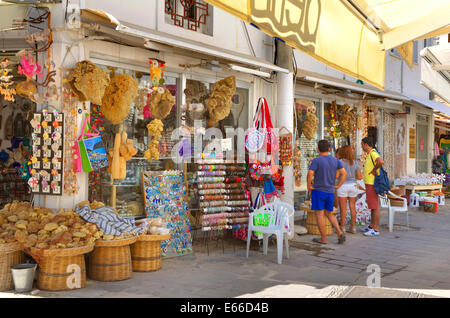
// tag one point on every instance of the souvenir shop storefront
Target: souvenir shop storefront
(113, 123)
(345, 113)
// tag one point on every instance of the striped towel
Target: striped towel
(108, 221)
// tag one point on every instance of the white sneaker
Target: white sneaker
(372, 232)
(367, 228)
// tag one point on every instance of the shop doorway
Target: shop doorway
(422, 160)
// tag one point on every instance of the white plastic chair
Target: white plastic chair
(386, 203)
(279, 214)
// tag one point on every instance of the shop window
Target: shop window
(194, 15)
(130, 201)
(197, 92)
(15, 148)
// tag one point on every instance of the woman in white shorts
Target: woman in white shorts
(349, 190)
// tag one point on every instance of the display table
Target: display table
(426, 187)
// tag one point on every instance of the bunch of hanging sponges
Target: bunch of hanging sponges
(219, 103)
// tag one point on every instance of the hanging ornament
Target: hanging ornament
(29, 67)
(157, 72)
(6, 81)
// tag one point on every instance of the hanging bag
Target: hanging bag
(259, 219)
(254, 140)
(270, 139)
(80, 158)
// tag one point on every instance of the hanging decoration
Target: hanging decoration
(371, 117)
(333, 123)
(6, 81)
(311, 122)
(347, 120)
(285, 141)
(70, 185)
(297, 164)
(157, 72)
(29, 67)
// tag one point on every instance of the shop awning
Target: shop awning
(106, 19)
(435, 71)
(349, 35)
(336, 82)
(431, 104)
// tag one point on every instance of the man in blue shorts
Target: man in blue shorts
(325, 169)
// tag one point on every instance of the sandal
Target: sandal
(316, 240)
(341, 239)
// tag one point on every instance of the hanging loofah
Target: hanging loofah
(161, 102)
(155, 129)
(88, 82)
(219, 103)
(141, 99)
(347, 120)
(27, 89)
(310, 123)
(119, 94)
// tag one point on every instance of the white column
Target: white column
(285, 115)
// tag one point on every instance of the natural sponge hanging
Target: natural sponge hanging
(347, 120)
(119, 94)
(161, 102)
(88, 82)
(219, 103)
(310, 123)
(155, 129)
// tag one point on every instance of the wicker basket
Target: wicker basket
(394, 201)
(311, 223)
(10, 254)
(58, 268)
(146, 253)
(110, 260)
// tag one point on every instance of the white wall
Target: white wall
(228, 32)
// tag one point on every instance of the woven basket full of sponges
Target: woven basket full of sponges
(10, 254)
(61, 268)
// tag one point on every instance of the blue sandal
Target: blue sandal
(316, 240)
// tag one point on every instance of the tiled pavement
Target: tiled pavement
(416, 259)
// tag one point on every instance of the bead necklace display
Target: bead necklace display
(224, 202)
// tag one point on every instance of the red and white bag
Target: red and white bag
(262, 135)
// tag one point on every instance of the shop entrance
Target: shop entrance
(422, 144)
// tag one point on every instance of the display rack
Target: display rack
(164, 193)
(223, 199)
